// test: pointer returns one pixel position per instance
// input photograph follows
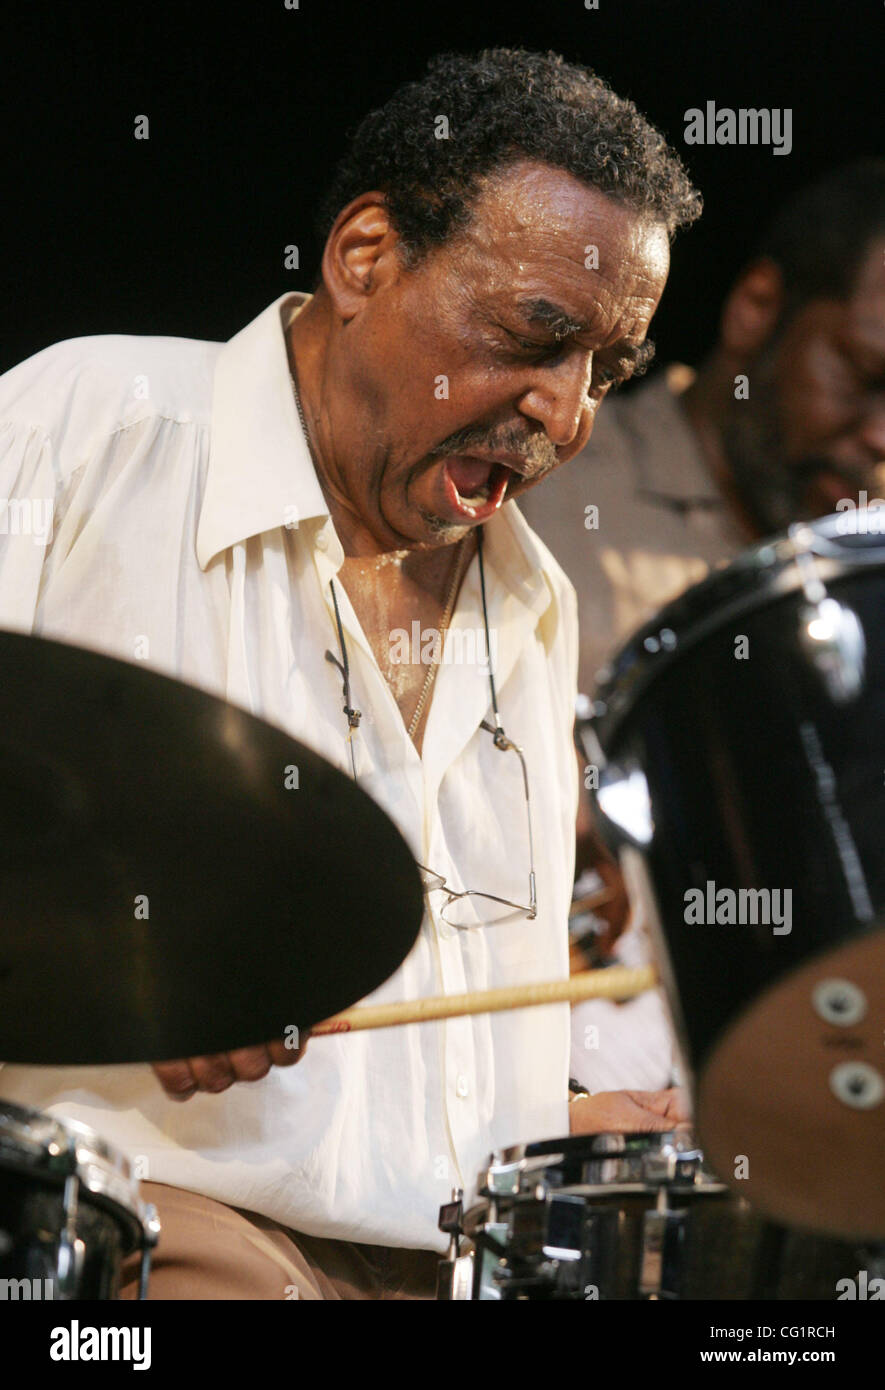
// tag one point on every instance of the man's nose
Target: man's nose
(558, 399)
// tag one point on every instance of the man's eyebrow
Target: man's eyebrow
(546, 315)
(556, 320)
(639, 357)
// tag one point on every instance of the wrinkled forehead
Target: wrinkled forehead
(531, 208)
(537, 230)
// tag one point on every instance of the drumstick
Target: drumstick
(617, 982)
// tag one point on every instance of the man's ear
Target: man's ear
(752, 310)
(359, 253)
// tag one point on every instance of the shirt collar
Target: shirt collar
(521, 560)
(260, 475)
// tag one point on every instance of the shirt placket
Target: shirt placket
(459, 1092)
(466, 1058)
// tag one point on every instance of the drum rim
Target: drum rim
(709, 1186)
(605, 1144)
(760, 575)
(103, 1171)
(613, 1148)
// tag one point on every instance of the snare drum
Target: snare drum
(70, 1212)
(740, 739)
(630, 1216)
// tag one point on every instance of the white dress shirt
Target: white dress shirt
(189, 530)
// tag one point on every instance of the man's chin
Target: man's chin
(440, 531)
(419, 528)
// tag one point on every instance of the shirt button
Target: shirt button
(462, 1086)
(323, 540)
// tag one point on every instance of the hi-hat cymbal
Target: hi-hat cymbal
(177, 877)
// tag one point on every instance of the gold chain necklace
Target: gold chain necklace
(450, 597)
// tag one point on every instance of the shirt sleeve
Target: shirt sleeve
(27, 509)
(28, 495)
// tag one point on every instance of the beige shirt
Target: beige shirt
(660, 522)
(188, 526)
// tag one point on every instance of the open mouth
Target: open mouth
(476, 487)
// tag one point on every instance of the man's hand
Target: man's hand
(215, 1073)
(628, 1112)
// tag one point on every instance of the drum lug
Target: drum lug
(620, 792)
(830, 632)
(150, 1235)
(70, 1250)
(454, 1280)
(663, 1234)
(624, 800)
(833, 640)
(454, 1277)
(150, 1225)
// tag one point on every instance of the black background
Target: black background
(183, 234)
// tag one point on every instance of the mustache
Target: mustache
(537, 453)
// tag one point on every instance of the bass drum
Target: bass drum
(634, 1216)
(740, 742)
(70, 1212)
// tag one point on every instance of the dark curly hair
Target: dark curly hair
(502, 105)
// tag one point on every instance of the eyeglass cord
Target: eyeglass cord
(354, 715)
(501, 739)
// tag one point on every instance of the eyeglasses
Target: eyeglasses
(468, 907)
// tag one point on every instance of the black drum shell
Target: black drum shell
(735, 797)
(728, 1252)
(32, 1219)
(70, 1212)
(740, 741)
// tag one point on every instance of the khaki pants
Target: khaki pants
(208, 1250)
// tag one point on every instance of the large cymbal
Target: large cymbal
(123, 792)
